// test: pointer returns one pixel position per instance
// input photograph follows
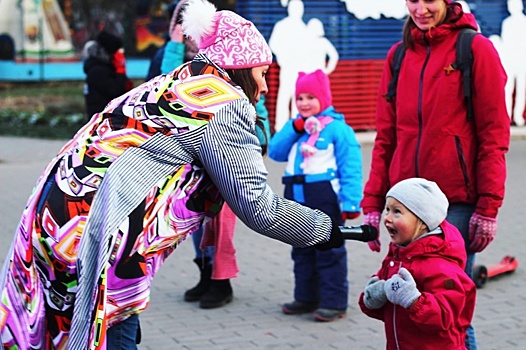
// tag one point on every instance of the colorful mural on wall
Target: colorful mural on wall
(38, 29)
(347, 38)
(361, 33)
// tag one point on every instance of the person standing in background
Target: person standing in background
(424, 130)
(105, 69)
(324, 171)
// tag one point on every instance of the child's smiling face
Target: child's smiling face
(403, 226)
(308, 105)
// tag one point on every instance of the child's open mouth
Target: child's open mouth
(392, 232)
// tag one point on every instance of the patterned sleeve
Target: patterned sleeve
(231, 154)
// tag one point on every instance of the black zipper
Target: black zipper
(420, 93)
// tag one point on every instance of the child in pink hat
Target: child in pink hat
(324, 171)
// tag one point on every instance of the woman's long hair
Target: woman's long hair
(406, 33)
(243, 77)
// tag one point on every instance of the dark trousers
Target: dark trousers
(459, 215)
(320, 276)
(123, 335)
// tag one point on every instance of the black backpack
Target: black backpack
(463, 62)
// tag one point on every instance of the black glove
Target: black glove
(335, 241)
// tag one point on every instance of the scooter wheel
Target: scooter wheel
(480, 276)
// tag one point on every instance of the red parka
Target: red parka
(425, 132)
(440, 317)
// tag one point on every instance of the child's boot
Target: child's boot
(219, 294)
(195, 293)
(298, 307)
(329, 315)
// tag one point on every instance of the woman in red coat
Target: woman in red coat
(425, 132)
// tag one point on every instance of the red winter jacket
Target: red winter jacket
(425, 131)
(440, 317)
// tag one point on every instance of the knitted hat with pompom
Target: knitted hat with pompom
(228, 39)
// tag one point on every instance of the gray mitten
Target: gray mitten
(374, 293)
(401, 289)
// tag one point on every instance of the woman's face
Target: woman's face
(427, 13)
(403, 226)
(259, 74)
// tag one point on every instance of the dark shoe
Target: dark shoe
(219, 294)
(298, 307)
(197, 292)
(329, 315)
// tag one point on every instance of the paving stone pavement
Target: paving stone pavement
(254, 319)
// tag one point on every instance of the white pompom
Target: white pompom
(198, 20)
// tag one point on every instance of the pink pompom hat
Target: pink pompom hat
(229, 40)
(317, 84)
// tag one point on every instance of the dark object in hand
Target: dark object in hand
(363, 233)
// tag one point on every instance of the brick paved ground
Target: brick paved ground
(254, 320)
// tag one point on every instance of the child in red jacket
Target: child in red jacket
(421, 292)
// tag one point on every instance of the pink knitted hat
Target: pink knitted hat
(316, 84)
(226, 38)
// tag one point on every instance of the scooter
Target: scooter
(482, 273)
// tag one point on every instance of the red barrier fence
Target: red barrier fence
(354, 87)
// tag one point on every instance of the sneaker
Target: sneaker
(329, 315)
(298, 307)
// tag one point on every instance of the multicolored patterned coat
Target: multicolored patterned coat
(119, 197)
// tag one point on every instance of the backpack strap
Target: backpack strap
(464, 62)
(397, 63)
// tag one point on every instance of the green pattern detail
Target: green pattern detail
(189, 121)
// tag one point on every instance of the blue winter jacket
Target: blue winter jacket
(337, 158)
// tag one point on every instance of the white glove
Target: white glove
(374, 293)
(401, 289)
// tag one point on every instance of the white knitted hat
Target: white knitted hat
(423, 198)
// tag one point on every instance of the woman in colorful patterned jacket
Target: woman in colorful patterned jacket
(135, 182)
(425, 130)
